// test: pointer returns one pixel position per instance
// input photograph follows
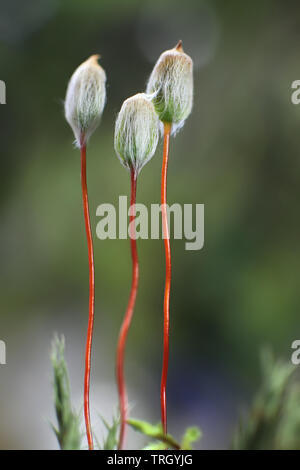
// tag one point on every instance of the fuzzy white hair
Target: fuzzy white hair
(85, 99)
(171, 83)
(136, 132)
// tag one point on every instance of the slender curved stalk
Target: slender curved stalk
(128, 316)
(163, 399)
(88, 349)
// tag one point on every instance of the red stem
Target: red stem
(88, 348)
(128, 316)
(163, 399)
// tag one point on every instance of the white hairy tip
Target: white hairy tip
(171, 83)
(136, 132)
(85, 99)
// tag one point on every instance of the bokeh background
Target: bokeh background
(238, 154)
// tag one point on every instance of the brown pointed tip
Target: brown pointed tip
(94, 59)
(179, 47)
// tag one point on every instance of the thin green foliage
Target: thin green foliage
(273, 421)
(111, 440)
(165, 441)
(68, 425)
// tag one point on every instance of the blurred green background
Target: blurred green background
(238, 154)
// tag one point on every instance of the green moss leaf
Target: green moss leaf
(111, 439)
(68, 429)
(190, 436)
(154, 431)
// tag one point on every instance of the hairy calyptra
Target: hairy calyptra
(85, 99)
(84, 104)
(136, 133)
(136, 138)
(171, 85)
